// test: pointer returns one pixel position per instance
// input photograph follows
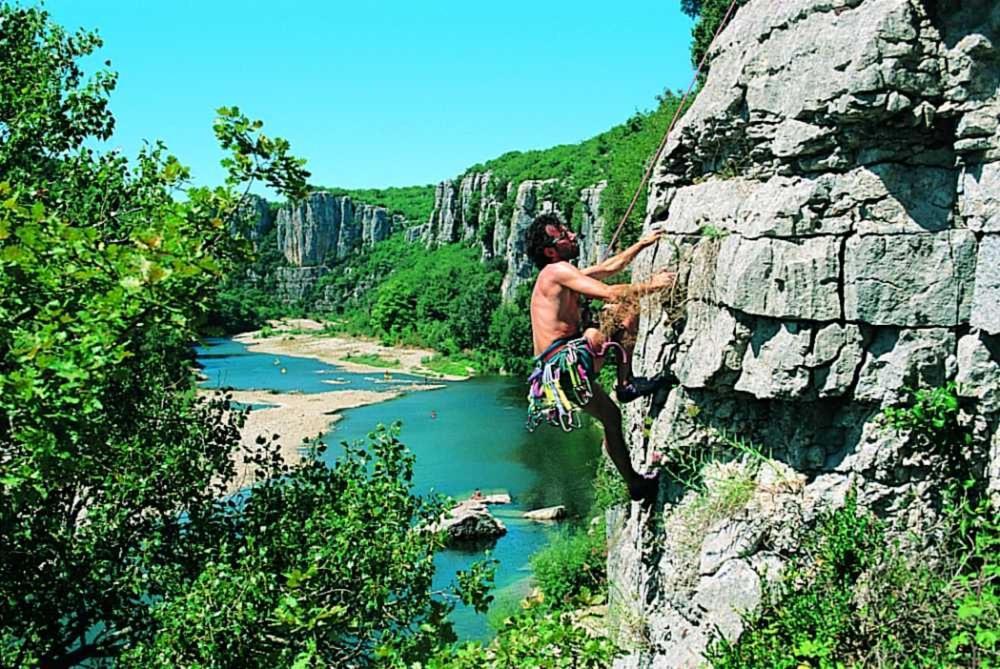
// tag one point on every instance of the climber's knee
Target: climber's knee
(596, 340)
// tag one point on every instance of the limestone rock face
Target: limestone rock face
(324, 226)
(480, 210)
(416, 233)
(442, 225)
(593, 248)
(254, 219)
(831, 203)
(459, 209)
(527, 205)
(296, 283)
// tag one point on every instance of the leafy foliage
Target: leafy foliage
(931, 415)
(509, 345)
(242, 304)
(851, 599)
(574, 562)
(414, 203)
(537, 637)
(118, 544)
(444, 299)
(327, 567)
(813, 611)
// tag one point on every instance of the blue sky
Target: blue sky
(377, 94)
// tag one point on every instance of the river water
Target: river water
(466, 435)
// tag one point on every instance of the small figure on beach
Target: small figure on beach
(569, 353)
(387, 375)
(477, 495)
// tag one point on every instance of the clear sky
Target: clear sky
(377, 94)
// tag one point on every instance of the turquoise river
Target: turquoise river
(466, 435)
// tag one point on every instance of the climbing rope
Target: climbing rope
(666, 136)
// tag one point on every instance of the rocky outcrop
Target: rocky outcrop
(442, 226)
(253, 218)
(527, 205)
(470, 521)
(416, 233)
(593, 247)
(548, 513)
(296, 284)
(324, 226)
(478, 210)
(830, 202)
(458, 211)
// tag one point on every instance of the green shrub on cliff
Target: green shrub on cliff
(574, 562)
(850, 599)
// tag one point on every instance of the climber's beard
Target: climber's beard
(571, 252)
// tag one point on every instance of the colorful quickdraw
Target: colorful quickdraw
(560, 386)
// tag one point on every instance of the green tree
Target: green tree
(329, 567)
(510, 333)
(709, 15)
(395, 307)
(118, 542)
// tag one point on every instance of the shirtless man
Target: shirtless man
(567, 360)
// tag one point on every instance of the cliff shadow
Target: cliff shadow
(977, 24)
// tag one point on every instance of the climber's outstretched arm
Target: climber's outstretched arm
(617, 263)
(576, 280)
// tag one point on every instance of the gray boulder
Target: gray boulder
(470, 522)
(548, 513)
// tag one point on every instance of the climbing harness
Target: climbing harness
(560, 384)
(663, 144)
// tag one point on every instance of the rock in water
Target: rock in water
(548, 513)
(470, 522)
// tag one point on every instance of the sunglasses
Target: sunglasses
(562, 235)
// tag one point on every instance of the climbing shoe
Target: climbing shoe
(641, 386)
(648, 489)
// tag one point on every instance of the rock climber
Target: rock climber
(569, 354)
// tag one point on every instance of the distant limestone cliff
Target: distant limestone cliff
(326, 226)
(470, 210)
(324, 229)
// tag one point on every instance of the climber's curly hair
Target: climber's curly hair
(537, 239)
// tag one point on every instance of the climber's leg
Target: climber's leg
(601, 407)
